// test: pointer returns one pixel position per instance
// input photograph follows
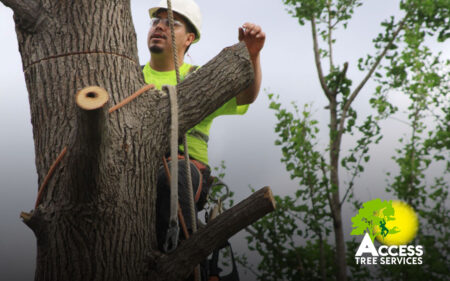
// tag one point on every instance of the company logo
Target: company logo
(394, 224)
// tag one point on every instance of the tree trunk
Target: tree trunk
(96, 218)
(335, 145)
(322, 261)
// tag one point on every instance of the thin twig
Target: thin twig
(399, 120)
(352, 181)
(369, 74)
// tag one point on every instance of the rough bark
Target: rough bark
(27, 14)
(192, 251)
(96, 218)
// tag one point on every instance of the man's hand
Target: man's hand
(254, 38)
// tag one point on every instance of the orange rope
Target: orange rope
(132, 97)
(180, 213)
(49, 175)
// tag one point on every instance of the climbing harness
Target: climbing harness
(214, 269)
(199, 135)
(218, 207)
(213, 263)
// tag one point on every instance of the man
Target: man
(160, 70)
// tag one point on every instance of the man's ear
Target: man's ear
(190, 38)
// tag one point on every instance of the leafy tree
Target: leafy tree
(424, 79)
(315, 210)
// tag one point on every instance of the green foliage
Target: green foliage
(337, 11)
(432, 15)
(220, 193)
(358, 272)
(297, 136)
(427, 86)
(282, 256)
(401, 63)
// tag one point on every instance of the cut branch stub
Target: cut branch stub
(179, 264)
(91, 98)
(25, 216)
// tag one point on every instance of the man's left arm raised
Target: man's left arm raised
(254, 39)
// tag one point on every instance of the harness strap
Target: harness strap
(199, 167)
(172, 232)
(199, 135)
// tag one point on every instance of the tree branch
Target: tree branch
(330, 40)
(85, 147)
(322, 168)
(222, 78)
(341, 78)
(317, 60)
(369, 74)
(179, 264)
(352, 181)
(27, 13)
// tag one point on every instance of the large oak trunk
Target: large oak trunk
(96, 217)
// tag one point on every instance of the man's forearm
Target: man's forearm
(250, 94)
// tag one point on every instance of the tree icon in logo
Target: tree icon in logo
(374, 213)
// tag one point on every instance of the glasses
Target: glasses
(165, 22)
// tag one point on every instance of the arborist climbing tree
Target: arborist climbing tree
(100, 133)
(175, 25)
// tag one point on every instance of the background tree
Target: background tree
(424, 78)
(95, 219)
(317, 205)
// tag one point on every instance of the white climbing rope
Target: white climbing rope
(186, 152)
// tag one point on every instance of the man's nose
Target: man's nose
(161, 25)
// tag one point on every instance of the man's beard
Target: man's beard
(156, 49)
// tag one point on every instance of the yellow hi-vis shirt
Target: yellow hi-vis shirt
(198, 148)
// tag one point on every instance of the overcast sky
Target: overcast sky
(245, 143)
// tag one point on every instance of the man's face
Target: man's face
(159, 37)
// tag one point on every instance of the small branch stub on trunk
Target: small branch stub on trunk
(91, 98)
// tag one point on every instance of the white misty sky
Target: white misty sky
(245, 143)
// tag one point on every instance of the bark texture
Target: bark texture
(96, 218)
(27, 14)
(192, 251)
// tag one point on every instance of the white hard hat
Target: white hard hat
(187, 8)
